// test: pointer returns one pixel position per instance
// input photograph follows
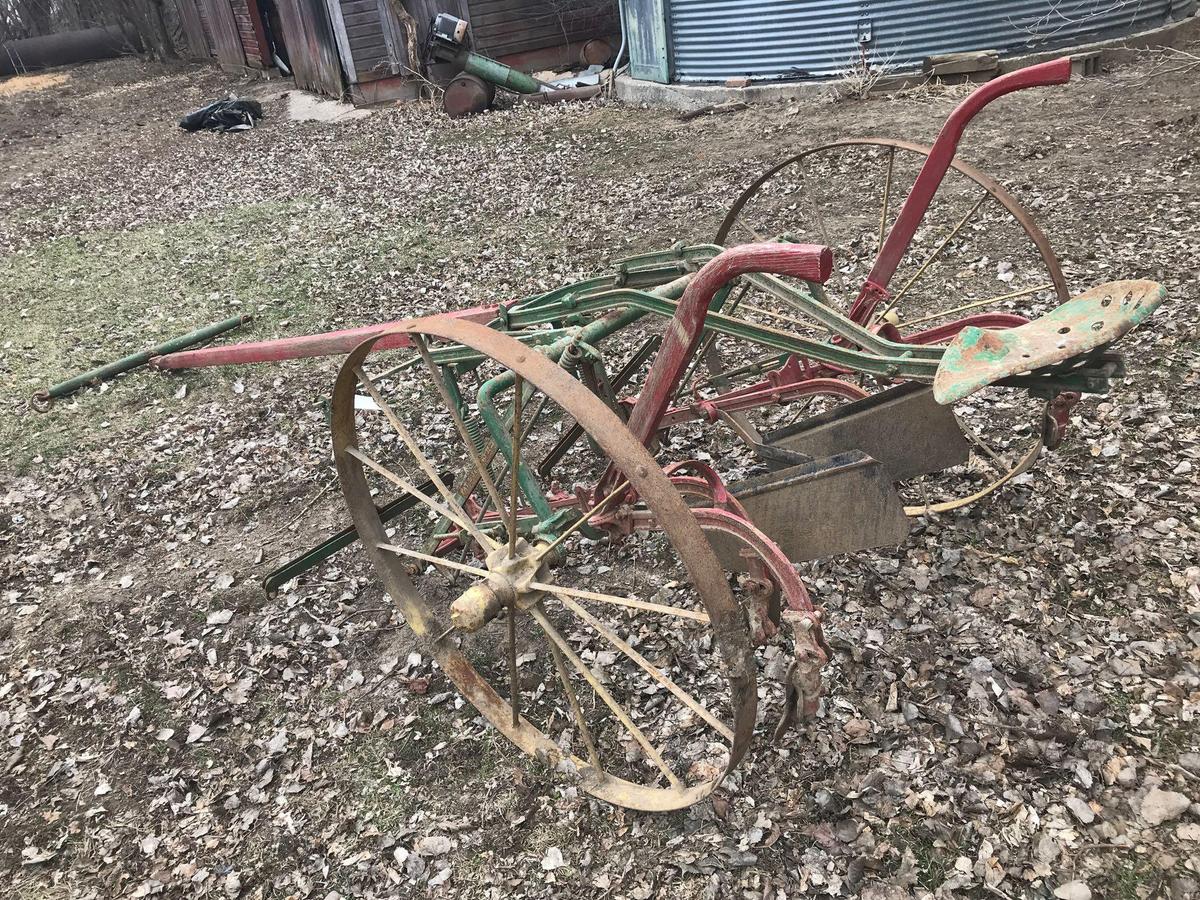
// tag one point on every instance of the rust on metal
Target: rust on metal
(1097, 317)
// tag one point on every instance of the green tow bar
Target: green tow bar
(42, 399)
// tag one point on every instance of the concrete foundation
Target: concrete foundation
(685, 97)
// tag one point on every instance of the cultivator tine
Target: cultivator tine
(902, 428)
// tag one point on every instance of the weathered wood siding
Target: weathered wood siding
(502, 27)
(227, 43)
(312, 48)
(370, 39)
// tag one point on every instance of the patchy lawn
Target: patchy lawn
(1015, 689)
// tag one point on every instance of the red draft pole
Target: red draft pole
(916, 204)
(329, 343)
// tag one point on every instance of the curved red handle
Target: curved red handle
(811, 262)
(915, 206)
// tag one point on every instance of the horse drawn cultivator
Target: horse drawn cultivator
(519, 474)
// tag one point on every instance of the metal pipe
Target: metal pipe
(498, 73)
(329, 343)
(42, 399)
(586, 92)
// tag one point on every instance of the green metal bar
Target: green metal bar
(126, 363)
(312, 558)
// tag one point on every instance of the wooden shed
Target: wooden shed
(367, 51)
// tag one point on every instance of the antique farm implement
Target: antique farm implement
(536, 485)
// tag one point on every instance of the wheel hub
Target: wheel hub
(507, 584)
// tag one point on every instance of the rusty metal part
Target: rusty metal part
(802, 684)
(1097, 317)
(632, 366)
(466, 95)
(836, 504)
(1057, 418)
(1003, 197)
(562, 95)
(595, 52)
(738, 542)
(901, 427)
(330, 343)
(654, 490)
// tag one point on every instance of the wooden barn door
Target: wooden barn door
(226, 40)
(311, 46)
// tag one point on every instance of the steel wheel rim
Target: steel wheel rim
(989, 184)
(727, 620)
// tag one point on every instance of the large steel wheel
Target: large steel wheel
(627, 661)
(845, 195)
(979, 253)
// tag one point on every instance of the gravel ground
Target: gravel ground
(1012, 707)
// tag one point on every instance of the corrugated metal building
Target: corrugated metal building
(365, 49)
(712, 41)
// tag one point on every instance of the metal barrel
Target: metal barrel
(41, 400)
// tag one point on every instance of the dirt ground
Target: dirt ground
(1012, 707)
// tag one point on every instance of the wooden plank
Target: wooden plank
(226, 40)
(962, 63)
(309, 38)
(193, 29)
(368, 31)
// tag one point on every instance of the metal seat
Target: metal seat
(978, 357)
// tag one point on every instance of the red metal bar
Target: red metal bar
(934, 170)
(941, 333)
(810, 262)
(330, 343)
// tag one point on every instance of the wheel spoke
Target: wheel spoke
(452, 408)
(514, 684)
(975, 304)
(423, 462)
(878, 317)
(887, 195)
(648, 748)
(514, 466)
(613, 638)
(581, 521)
(436, 560)
(408, 487)
(621, 601)
(576, 710)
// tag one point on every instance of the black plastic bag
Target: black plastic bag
(239, 114)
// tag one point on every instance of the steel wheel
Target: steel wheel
(629, 662)
(846, 194)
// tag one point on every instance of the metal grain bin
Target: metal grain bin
(716, 40)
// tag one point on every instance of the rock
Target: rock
(1080, 810)
(979, 669)
(1160, 806)
(1073, 890)
(433, 845)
